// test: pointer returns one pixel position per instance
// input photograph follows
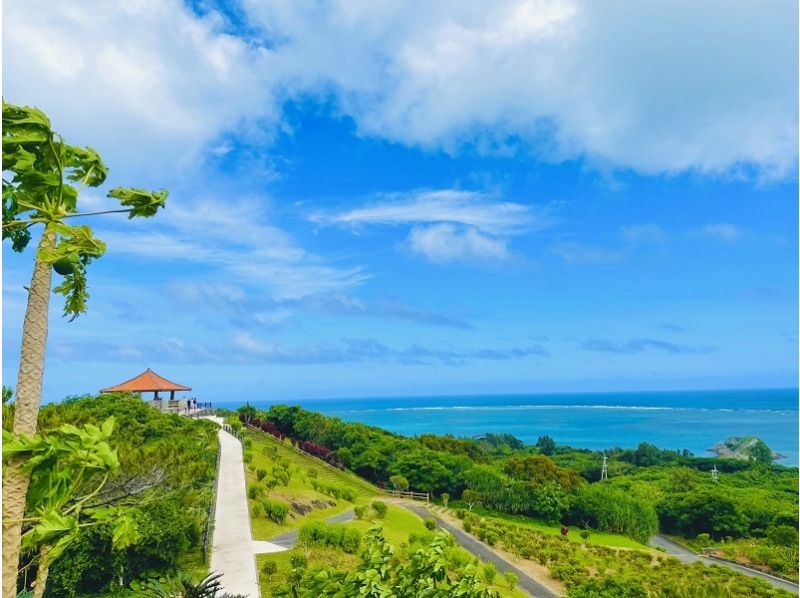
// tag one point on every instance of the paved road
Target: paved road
(687, 556)
(479, 549)
(233, 549)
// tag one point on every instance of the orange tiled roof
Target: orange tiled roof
(147, 381)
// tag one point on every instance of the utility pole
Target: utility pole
(715, 474)
(604, 471)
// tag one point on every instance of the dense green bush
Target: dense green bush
(331, 535)
(379, 574)
(275, 509)
(167, 466)
(380, 508)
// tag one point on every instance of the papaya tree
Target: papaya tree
(68, 466)
(42, 179)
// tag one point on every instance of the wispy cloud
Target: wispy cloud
(245, 347)
(247, 309)
(447, 225)
(644, 233)
(574, 252)
(725, 232)
(238, 241)
(641, 345)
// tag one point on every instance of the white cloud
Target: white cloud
(468, 208)
(146, 82)
(574, 252)
(658, 87)
(727, 233)
(448, 224)
(447, 243)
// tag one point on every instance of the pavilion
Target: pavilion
(149, 381)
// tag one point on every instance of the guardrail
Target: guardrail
(212, 509)
(409, 494)
(234, 433)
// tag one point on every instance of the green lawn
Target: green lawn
(300, 489)
(599, 538)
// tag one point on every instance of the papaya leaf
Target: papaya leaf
(142, 202)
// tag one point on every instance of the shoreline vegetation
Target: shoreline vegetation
(500, 486)
(544, 506)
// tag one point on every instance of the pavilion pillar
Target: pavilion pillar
(172, 395)
(155, 395)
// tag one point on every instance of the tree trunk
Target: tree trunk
(28, 397)
(42, 573)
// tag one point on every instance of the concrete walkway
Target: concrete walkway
(685, 555)
(233, 550)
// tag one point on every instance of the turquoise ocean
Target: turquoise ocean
(693, 420)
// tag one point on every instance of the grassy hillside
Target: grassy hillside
(399, 524)
(306, 504)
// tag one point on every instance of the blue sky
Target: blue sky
(373, 200)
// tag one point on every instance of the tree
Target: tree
(68, 468)
(646, 455)
(471, 497)
(760, 452)
(445, 499)
(247, 412)
(46, 176)
(546, 445)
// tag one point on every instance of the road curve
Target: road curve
(687, 556)
(479, 549)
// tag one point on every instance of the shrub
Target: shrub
(445, 499)
(399, 482)
(257, 510)
(331, 535)
(351, 539)
(782, 535)
(461, 513)
(430, 523)
(511, 579)
(269, 568)
(424, 538)
(253, 492)
(298, 561)
(312, 473)
(276, 510)
(704, 539)
(467, 526)
(261, 474)
(380, 508)
(585, 534)
(489, 572)
(361, 511)
(248, 457)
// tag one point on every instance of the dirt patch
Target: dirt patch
(303, 508)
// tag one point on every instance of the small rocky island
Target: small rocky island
(742, 447)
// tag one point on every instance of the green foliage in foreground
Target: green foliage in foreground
(165, 479)
(426, 573)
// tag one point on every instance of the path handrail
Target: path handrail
(212, 507)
